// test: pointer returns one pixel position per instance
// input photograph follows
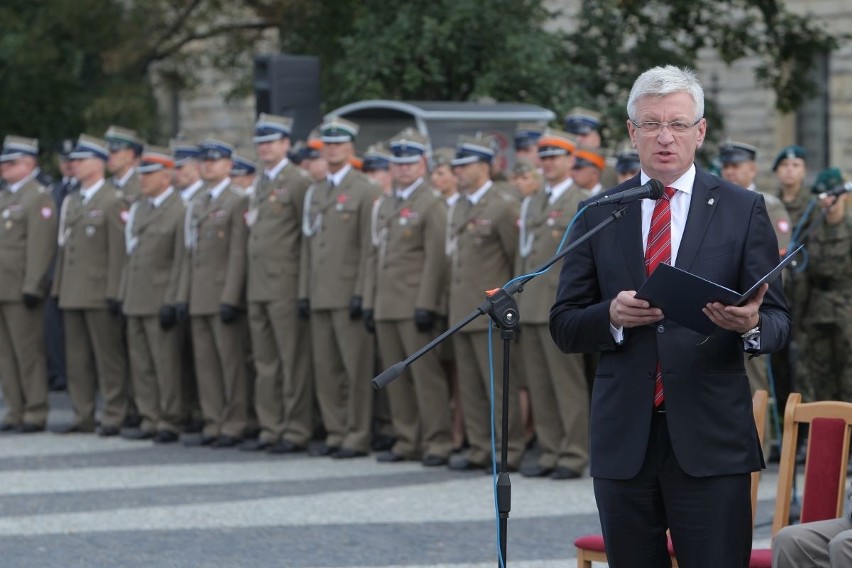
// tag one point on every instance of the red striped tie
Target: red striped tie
(659, 250)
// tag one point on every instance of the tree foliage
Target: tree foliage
(71, 66)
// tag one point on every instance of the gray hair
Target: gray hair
(662, 81)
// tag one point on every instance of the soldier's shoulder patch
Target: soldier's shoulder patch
(783, 226)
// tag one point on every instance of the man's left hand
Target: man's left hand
(737, 318)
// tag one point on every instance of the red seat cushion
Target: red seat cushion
(592, 542)
(822, 478)
(760, 558)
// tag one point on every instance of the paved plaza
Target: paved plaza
(84, 501)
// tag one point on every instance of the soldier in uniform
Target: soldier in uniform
(409, 229)
(125, 148)
(280, 339)
(739, 167)
(557, 382)
(213, 284)
(626, 165)
(27, 246)
(442, 177)
(589, 164)
(526, 142)
(53, 327)
(155, 247)
(243, 174)
(376, 165)
(483, 240)
(585, 126)
(88, 273)
(335, 255)
(828, 317)
(313, 161)
(788, 365)
(187, 176)
(526, 178)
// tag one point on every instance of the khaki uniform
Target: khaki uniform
(411, 265)
(88, 273)
(334, 265)
(484, 241)
(155, 247)
(214, 274)
(27, 246)
(131, 189)
(758, 377)
(281, 344)
(557, 382)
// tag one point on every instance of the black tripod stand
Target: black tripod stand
(501, 307)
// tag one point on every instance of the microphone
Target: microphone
(652, 190)
(839, 190)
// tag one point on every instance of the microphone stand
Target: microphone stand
(501, 307)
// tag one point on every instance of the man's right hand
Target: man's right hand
(626, 310)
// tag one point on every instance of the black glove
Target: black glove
(424, 319)
(31, 301)
(303, 305)
(114, 306)
(369, 321)
(168, 316)
(181, 313)
(228, 313)
(355, 311)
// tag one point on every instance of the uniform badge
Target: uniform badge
(251, 217)
(8, 225)
(273, 198)
(783, 226)
(125, 214)
(403, 221)
(90, 230)
(341, 200)
(46, 212)
(550, 221)
(94, 213)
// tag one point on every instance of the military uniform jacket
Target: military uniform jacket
(795, 208)
(132, 188)
(780, 219)
(91, 250)
(27, 240)
(483, 255)
(337, 227)
(215, 269)
(542, 226)
(410, 260)
(275, 235)
(829, 273)
(155, 249)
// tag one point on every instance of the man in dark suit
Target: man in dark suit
(673, 439)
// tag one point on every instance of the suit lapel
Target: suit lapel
(703, 204)
(630, 237)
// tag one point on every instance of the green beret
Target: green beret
(828, 179)
(793, 151)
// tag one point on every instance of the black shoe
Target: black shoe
(347, 453)
(193, 426)
(285, 447)
(72, 429)
(565, 473)
(137, 434)
(196, 441)
(389, 457)
(165, 437)
(536, 470)
(254, 445)
(57, 384)
(108, 431)
(132, 421)
(433, 461)
(224, 441)
(322, 449)
(382, 442)
(6, 427)
(27, 428)
(462, 463)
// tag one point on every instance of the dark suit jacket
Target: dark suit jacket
(729, 239)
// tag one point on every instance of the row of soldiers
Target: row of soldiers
(253, 300)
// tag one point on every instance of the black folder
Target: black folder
(682, 295)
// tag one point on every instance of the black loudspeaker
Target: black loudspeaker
(289, 85)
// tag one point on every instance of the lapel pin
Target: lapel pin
(711, 201)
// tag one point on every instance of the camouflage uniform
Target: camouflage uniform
(828, 318)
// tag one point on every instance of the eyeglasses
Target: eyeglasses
(653, 128)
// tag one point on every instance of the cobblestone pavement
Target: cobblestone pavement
(83, 501)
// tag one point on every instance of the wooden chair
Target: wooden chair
(590, 548)
(824, 482)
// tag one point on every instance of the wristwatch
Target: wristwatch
(754, 333)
